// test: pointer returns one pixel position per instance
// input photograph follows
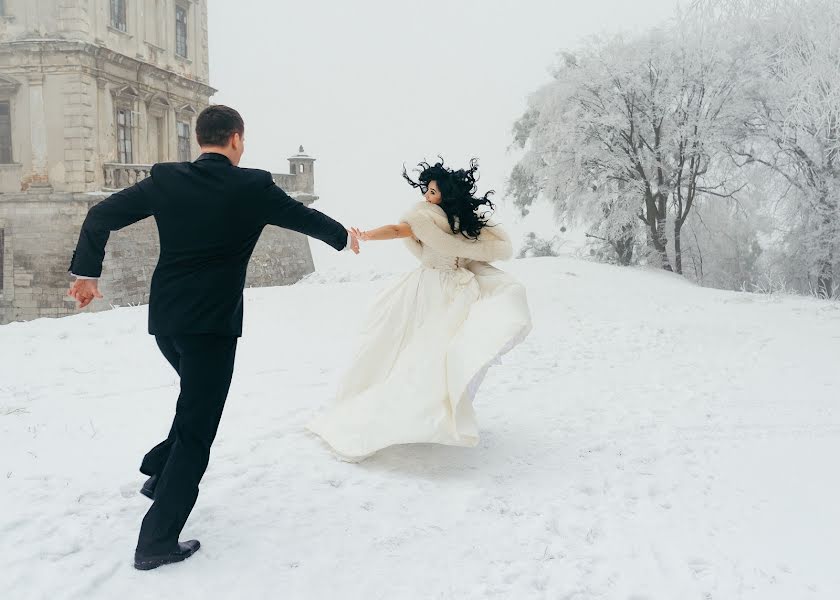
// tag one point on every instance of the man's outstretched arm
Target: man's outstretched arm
(115, 212)
(286, 212)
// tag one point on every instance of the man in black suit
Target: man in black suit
(209, 215)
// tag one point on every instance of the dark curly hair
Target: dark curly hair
(458, 199)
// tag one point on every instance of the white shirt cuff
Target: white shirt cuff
(82, 276)
(349, 239)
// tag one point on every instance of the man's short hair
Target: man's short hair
(216, 124)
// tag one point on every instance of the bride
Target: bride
(431, 336)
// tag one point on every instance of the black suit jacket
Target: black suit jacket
(209, 215)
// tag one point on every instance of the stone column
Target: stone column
(39, 174)
(172, 134)
(102, 130)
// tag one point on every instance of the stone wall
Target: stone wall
(280, 258)
(40, 232)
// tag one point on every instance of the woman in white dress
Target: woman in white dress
(431, 336)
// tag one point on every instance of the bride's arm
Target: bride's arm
(386, 232)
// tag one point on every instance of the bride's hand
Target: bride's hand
(362, 235)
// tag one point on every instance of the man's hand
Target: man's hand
(84, 291)
(354, 241)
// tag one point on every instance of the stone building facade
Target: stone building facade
(92, 93)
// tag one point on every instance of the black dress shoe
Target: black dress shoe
(148, 488)
(147, 562)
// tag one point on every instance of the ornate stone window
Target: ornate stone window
(127, 122)
(125, 136)
(184, 118)
(181, 46)
(8, 90)
(5, 132)
(118, 15)
(184, 147)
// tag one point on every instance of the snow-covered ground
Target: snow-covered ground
(649, 440)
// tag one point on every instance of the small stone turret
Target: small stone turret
(300, 181)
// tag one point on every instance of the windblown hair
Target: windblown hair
(458, 199)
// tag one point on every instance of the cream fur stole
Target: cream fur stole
(429, 225)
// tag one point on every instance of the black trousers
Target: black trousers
(205, 366)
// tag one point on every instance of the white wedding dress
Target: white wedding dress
(425, 348)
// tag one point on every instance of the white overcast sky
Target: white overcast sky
(368, 85)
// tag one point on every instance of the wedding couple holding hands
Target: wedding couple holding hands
(425, 347)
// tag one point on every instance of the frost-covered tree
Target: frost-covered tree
(794, 132)
(632, 132)
(711, 144)
(579, 133)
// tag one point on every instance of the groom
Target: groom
(209, 215)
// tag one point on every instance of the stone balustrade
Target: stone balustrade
(119, 176)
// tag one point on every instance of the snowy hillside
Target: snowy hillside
(649, 440)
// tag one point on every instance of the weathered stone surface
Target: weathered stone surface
(65, 73)
(36, 261)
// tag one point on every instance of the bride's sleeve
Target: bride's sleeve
(412, 242)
